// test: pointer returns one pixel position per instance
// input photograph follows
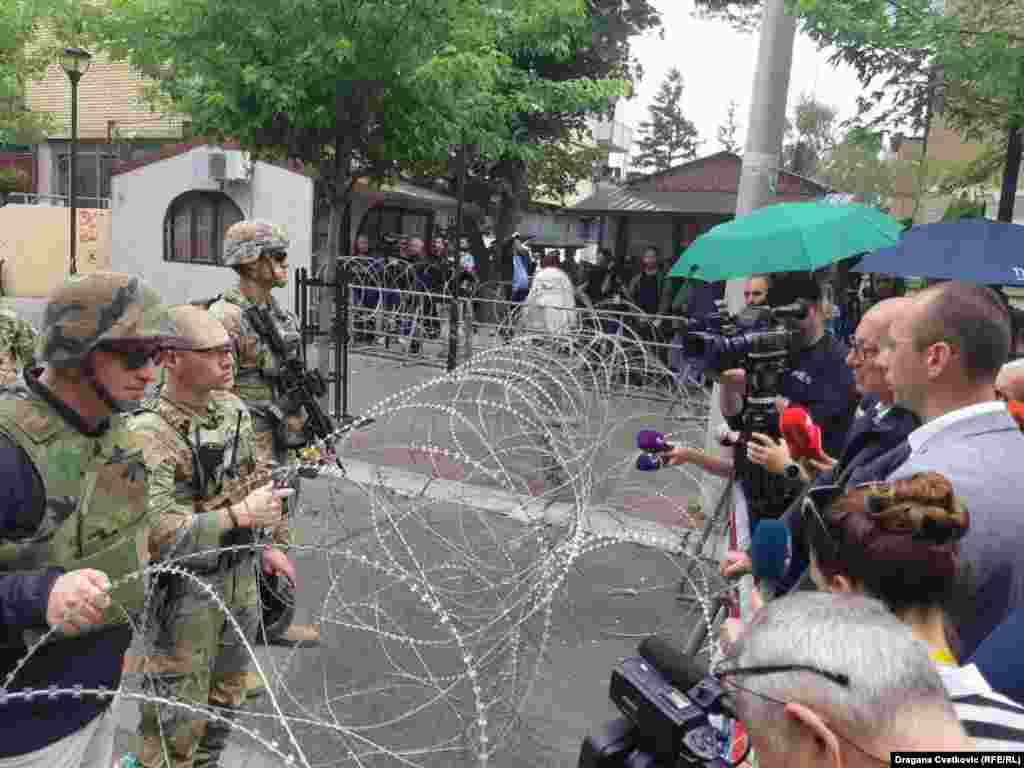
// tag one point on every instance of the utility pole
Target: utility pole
(763, 150)
(767, 121)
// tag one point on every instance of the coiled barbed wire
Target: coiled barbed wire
(446, 547)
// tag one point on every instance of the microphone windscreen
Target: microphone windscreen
(651, 440)
(770, 551)
(802, 435)
(648, 462)
(681, 670)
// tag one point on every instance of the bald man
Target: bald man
(880, 427)
(1010, 381)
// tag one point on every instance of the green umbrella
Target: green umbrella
(787, 237)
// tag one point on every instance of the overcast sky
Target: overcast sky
(717, 65)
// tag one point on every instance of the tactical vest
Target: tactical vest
(212, 469)
(256, 369)
(96, 499)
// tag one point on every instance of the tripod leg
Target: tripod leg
(709, 525)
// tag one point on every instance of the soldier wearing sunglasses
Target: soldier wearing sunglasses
(73, 516)
(258, 252)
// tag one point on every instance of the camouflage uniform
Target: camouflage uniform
(95, 484)
(256, 369)
(17, 346)
(194, 654)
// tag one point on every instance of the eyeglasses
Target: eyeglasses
(820, 498)
(838, 678)
(859, 348)
(135, 356)
(221, 349)
(277, 254)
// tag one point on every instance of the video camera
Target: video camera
(666, 700)
(723, 340)
(759, 341)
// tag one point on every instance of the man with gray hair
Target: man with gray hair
(837, 680)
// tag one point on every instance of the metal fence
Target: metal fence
(419, 314)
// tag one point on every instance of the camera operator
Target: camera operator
(819, 378)
(837, 680)
(880, 427)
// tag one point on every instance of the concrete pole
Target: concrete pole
(763, 152)
(767, 121)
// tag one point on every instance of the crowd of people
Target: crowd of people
(903, 596)
(903, 601)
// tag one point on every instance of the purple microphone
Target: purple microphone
(651, 462)
(652, 441)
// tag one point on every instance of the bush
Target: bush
(14, 180)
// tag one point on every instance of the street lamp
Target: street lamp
(75, 62)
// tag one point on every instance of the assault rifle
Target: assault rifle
(296, 383)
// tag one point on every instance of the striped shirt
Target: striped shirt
(993, 721)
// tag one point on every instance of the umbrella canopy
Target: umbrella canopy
(787, 237)
(976, 250)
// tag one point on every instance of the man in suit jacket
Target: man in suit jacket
(880, 427)
(941, 359)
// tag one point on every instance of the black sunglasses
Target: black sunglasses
(277, 254)
(133, 357)
(839, 678)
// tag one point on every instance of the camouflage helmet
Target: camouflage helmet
(90, 309)
(246, 240)
(198, 329)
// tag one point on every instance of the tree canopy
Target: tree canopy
(668, 136)
(727, 131)
(355, 88)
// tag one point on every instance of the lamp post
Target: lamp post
(75, 62)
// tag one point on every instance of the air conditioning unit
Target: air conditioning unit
(218, 166)
(229, 165)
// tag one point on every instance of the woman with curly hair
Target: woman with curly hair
(898, 542)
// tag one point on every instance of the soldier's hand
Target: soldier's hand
(262, 507)
(78, 600)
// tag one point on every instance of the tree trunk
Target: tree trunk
(1011, 172)
(339, 188)
(510, 213)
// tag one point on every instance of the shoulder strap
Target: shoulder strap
(206, 303)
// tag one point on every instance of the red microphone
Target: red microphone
(802, 435)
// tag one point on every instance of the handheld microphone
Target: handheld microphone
(770, 555)
(651, 462)
(727, 437)
(652, 441)
(802, 435)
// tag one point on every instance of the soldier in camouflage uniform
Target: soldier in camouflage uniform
(73, 516)
(17, 346)
(258, 252)
(208, 491)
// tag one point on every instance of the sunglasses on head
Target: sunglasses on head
(135, 356)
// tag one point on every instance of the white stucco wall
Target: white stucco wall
(139, 202)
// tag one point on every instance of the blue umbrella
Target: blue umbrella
(975, 250)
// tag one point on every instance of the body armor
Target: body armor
(96, 491)
(257, 369)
